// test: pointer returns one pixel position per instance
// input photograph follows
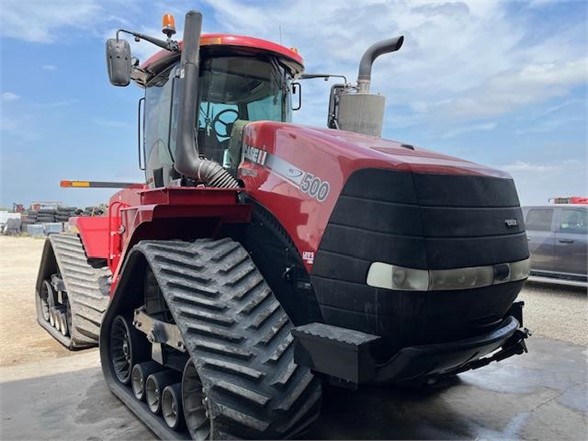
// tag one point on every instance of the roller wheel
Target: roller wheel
(57, 319)
(171, 406)
(63, 323)
(44, 296)
(52, 317)
(154, 387)
(121, 350)
(195, 404)
(139, 377)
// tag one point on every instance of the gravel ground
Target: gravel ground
(21, 339)
(556, 311)
(552, 311)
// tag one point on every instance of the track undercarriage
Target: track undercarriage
(71, 295)
(197, 346)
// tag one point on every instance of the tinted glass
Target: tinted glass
(256, 89)
(539, 219)
(573, 221)
(158, 95)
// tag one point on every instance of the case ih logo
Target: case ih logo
(254, 154)
(511, 223)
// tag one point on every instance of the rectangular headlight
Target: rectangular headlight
(384, 275)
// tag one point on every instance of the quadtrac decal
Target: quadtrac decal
(306, 182)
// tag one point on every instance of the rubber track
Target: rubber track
(87, 289)
(238, 335)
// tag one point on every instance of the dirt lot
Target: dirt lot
(21, 339)
(50, 393)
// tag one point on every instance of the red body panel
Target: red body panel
(234, 41)
(167, 213)
(94, 233)
(332, 156)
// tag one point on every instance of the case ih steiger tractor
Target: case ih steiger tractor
(262, 259)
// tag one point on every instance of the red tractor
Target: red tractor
(262, 259)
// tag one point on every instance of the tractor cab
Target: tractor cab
(240, 79)
(238, 87)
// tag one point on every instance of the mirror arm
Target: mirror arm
(170, 45)
(325, 76)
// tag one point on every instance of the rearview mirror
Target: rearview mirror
(118, 61)
(297, 92)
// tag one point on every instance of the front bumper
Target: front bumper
(345, 354)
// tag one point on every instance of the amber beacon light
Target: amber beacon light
(169, 25)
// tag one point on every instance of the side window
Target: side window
(158, 100)
(573, 221)
(539, 219)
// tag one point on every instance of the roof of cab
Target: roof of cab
(235, 41)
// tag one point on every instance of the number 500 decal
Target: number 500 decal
(315, 187)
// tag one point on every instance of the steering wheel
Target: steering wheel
(225, 123)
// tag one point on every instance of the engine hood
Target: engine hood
(402, 156)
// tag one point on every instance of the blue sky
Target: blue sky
(499, 83)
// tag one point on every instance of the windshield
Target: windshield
(241, 88)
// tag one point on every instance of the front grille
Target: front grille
(423, 222)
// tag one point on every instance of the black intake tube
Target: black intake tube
(368, 58)
(187, 158)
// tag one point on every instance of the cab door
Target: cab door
(571, 241)
(541, 238)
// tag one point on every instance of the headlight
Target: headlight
(384, 275)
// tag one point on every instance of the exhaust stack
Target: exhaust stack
(363, 112)
(364, 76)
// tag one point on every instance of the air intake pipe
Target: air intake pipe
(187, 158)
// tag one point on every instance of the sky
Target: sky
(503, 84)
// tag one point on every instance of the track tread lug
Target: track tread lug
(239, 337)
(87, 290)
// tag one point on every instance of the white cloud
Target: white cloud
(522, 166)
(548, 125)
(467, 129)
(37, 21)
(511, 90)
(9, 96)
(50, 67)
(55, 104)
(461, 60)
(538, 181)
